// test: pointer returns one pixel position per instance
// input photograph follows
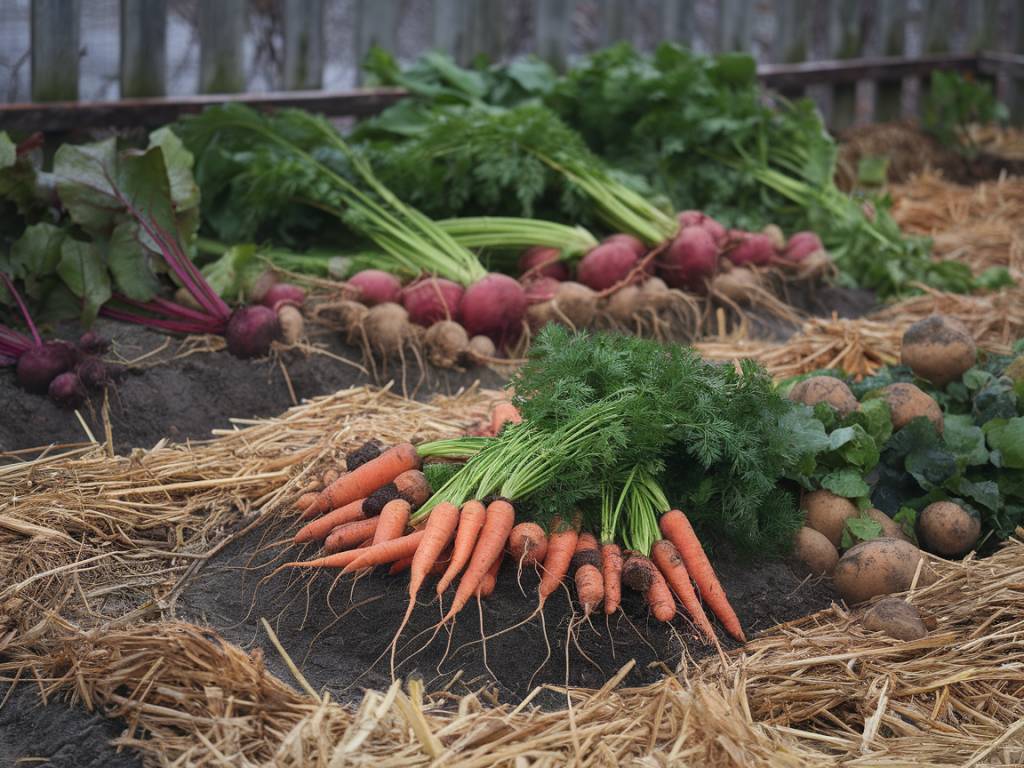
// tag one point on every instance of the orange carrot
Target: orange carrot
(527, 543)
(399, 566)
(305, 501)
(659, 598)
(412, 486)
(611, 569)
(386, 551)
(589, 581)
(348, 535)
(317, 530)
(337, 560)
(676, 528)
(504, 413)
(471, 520)
(439, 530)
(490, 579)
(561, 547)
(367, 478)
(667, 560)
(497, 525)
(393, 519)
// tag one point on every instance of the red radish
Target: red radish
(633, 243)
(494, 307)
(700, 219)
(250, 330)
(376, 286)
(541, 289)
(432, 299)
(690, 259)
(801, 245)
(606, 265)
(542, 261)
(66, 390)
(258, 290)
(751, 248)
(283, 292)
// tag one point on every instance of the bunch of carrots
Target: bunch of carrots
(382, 512)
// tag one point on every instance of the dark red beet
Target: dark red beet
(66, 390)
(635, 244)
(376, 287)
(251, 330)
(700, 219)
(690, 260)
(541, 289)
(541, 261)
(494, 307)
(283, 293)
(92, 343)
(432, 299)
(92, 372)
(606, 265)
(38, 366)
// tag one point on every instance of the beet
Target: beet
(751, 248)
(700, 219)
(541, 289)
(251, 330)
(376, 286)
(39, 365)
(92, 343)
(606, 265)
(432, 299)
(635, 244)
(801, 245)
(690, 259)
(66, 390)
(542, 261)
(92, 372)
(494, 307)
(283, 293)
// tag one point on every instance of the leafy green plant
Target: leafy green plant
(955, 101)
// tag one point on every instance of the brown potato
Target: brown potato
(907, 402)
(827, 514)
(878, 567)
(948, 529)
(825, 389)
(890, 528)
(939, 349)
(895, 617)
(813, 552)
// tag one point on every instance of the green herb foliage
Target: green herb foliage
(953, 103)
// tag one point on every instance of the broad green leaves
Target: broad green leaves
(83, 270)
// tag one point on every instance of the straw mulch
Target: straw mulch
(979, 225)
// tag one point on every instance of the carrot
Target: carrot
(317, 530)
(367, 478)
(666, 559)
(337, 560)
(611, 569)
(399, 566)
(497, 525)
(504, 413)
(676, 528)
(393, 519)
(439, 530)
(527, 543)
(589, 582)
(412, 486)
(561, 547)
(386, 551)
(348, 535)
(471, 520)
(305, 501)
(490, 579)
(659, 598)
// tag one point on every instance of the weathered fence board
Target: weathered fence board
(552, 30)
(376, 24)
(55, 29)
(222, 46)
(303, 44)
(143, 48)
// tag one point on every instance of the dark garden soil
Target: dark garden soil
(339, 633)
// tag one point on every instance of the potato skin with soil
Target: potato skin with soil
(895, 617)
(877, 567)
(814, 553)
(948, 529)
(938, 349)
(907, 402)
(827, 514)
(825, 389)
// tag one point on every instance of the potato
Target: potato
(878, 567)
(890, 528)
(813, 552)
(907, 402)
(895, 617)
(939, 349)
(948, 529)
(827, 514)
(825, 389)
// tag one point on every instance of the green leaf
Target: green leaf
(83, 271)
(965, 440)
(1006, 439)
(85, 181)
(232, 273)
(876, 419)
(985, 493)
(8, 151)
(931, 467)
(178, 162)
(37, 252)
(129, 265)
(735, 69)
(906, 518)
(845, 482)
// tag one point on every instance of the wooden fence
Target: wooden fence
(861, 60)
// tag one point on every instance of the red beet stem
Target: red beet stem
(24, 310)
